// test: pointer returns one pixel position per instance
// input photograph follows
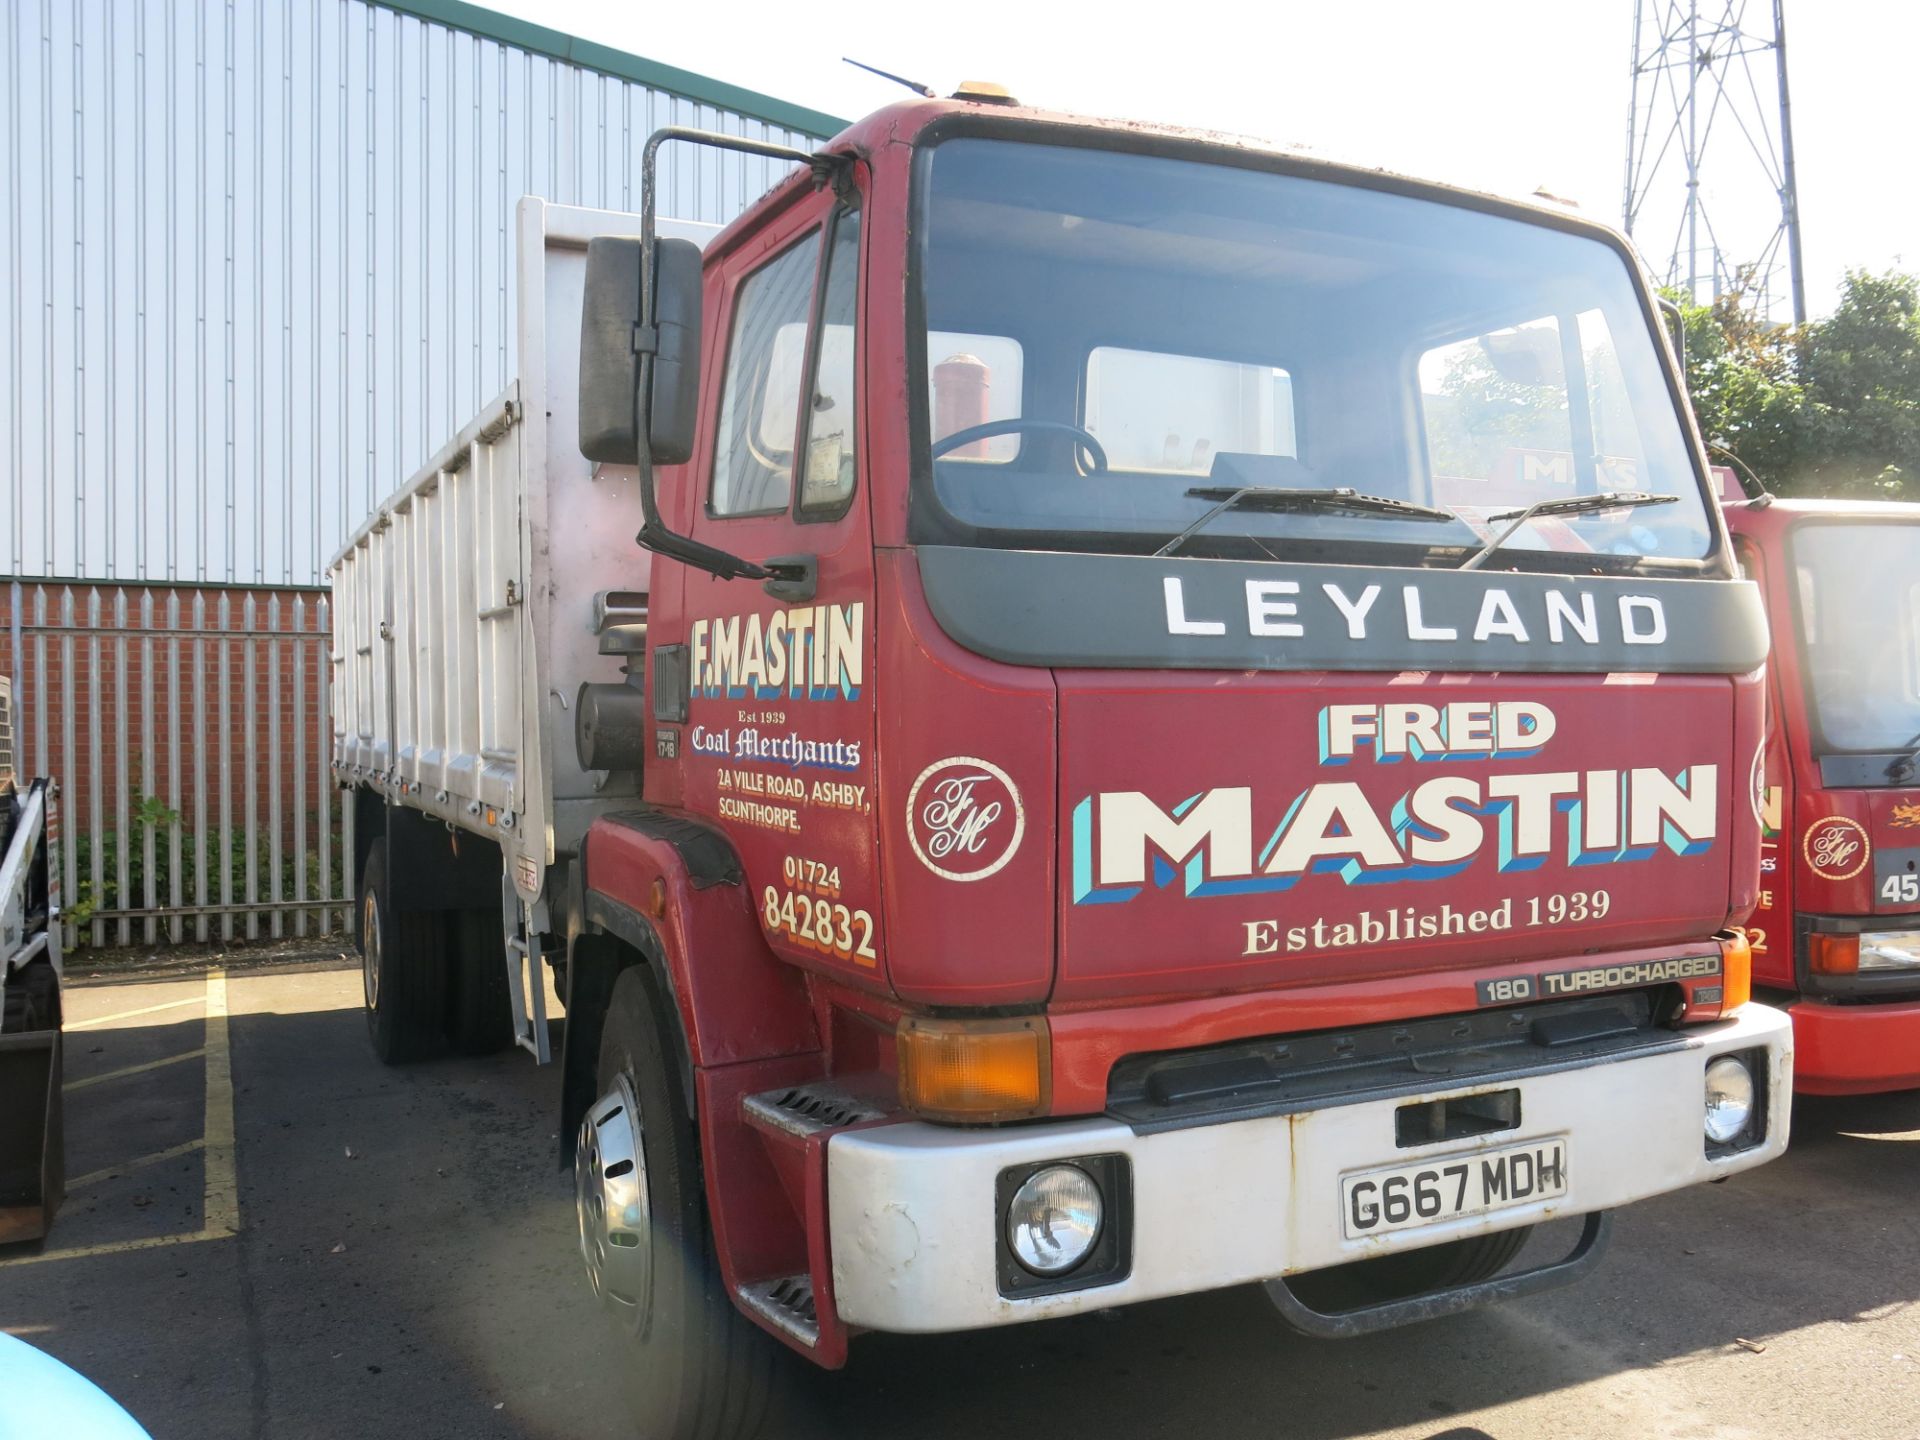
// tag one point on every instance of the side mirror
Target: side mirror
(609, 364)
(611, 322)
(1528, 356)
(676, 368)
(630, 339)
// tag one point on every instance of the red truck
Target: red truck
(1184, 717)
(1836, 933)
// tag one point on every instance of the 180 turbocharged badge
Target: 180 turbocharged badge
(1586, 979)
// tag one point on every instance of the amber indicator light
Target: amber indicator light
(974, 1070)
(1833, 954)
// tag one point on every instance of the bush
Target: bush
(152, 817)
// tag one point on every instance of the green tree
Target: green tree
(1827, 408)
(1862, 367)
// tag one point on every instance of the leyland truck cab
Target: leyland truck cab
(1183, 716)
(1836, 935)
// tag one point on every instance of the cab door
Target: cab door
(779, 747)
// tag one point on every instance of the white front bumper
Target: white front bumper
(914, 1229)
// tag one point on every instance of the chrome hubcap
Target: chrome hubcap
(610, 1194)
(370, 950)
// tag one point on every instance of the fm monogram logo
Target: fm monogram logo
(964, 818)
(1836, 848)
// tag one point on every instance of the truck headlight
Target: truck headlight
(1054, 1219)
(1890, 950)
(1729, 1099)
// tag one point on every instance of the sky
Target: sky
(1503, 95)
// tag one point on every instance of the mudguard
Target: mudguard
(672, 888)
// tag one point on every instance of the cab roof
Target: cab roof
(1773, 515)
(904, 123)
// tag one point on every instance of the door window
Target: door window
(826, 485)
(760, 397)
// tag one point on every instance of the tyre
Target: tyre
(479, 1008)
(699, 1369)
(1413, 1272)
(403, 966)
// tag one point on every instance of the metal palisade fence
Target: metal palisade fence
(186, 727)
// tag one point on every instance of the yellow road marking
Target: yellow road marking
(221, 1213)
(99, 1020)
(111, 1247)
(93, 1177)
(72, 1085)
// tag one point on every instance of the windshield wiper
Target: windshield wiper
(1279, 500)
(1564, 505)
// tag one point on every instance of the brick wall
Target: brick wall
(193, 721)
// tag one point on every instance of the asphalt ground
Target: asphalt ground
(269, 1235)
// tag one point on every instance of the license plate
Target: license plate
(1404, 1197)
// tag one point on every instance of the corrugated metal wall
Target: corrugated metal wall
(258, 263)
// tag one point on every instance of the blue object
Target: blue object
(40, 1397)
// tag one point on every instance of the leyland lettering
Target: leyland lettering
(1285, 609)
(1432, 829)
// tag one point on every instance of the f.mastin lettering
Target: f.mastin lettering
(813, 652)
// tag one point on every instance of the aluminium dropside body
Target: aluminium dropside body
(466, 619)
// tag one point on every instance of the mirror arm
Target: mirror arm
(655, 534)
(658, 537)
(1676, 332)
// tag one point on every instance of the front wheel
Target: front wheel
(700, 1370)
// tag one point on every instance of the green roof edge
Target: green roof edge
(541, 40)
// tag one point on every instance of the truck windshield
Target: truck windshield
(1859, 603)
(1111, 340)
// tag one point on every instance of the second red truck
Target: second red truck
(1836, 935)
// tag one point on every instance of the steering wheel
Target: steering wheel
(1016, 424)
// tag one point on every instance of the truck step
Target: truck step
(805, 1110)
(786, 1304)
